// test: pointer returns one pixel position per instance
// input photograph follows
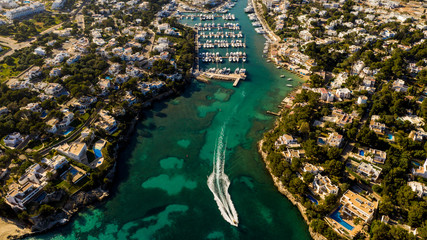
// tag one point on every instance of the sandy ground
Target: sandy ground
(8, 229)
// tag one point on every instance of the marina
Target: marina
(209, 16)
(222, 44)
(222, 33)
(164, 191)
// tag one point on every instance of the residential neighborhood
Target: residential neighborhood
(75, 98)
(356, 117)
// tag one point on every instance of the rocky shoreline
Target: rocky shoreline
(282, 189)
(80, 200)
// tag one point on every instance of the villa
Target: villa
(29, 185)
(323, 186)
(107, 122)
(52, 125)
(369, 171)
(54, 89)
(418, 135)
(399, 86)
(290, 154)
(419, 188)
(377, 127)
(421, 171)
(33, 107)
(76, 151)
(312, 168)
(335, 140)
(356, 205)
(14, 139)
(375, 156)
(285, 139)
(362, 100)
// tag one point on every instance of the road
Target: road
(14, 45)
(257, 6)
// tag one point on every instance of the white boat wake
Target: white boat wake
(218, 183)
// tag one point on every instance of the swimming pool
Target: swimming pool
(362, 153)
(336, 215)
(312, 199)
(416, 163)
(321, 140)
(390, 137)
(70, 129)
(97, 152)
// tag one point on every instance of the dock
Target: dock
(273, 113)
(236, 78)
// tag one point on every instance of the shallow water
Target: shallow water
(161, 190)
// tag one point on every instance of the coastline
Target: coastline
(272, 39)
(10, 229)
(282, 189)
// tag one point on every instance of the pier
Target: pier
(273, 113)
(222, 36)
(235, 78)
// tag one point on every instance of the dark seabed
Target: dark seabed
(161, 190)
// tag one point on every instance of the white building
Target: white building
(25, 11)
(75, 151)
(29, 185)
(54, 89)
(312, 168)
(55, 72)
(419, 188)
(40, 51)
(355, 205)
(343, 93)
(58, 4)
(13, 139)
(362, 100)
(52, 125)
(421, 171)
(335, 139)
(55, 162)
(323, 186)
(369, 171)
(285, 139)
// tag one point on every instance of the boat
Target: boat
(282, 76)
(290, 79)
(288, 85)
(244, 59)
(278, 67)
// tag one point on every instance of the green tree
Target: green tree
(316, 81)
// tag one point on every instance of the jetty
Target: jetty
(225, 35)
(235, 78)
(273, 113)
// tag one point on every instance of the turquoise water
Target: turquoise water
(336, 215)
(97, 152)
(312, 199)
(70, 129)
(161, 190)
